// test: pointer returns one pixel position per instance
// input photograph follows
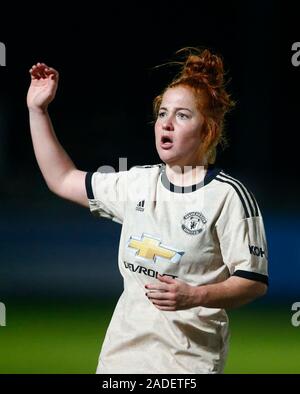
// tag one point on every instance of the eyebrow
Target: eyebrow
(177, 109)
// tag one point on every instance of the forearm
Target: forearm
(52, 159)
(231, 293)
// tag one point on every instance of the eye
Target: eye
(162, 114)
(182, 115)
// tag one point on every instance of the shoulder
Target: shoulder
(141, 170)
(237, 193)
(147, 167)
(144, 174)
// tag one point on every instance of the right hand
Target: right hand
(41, 92)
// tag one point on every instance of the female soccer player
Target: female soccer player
(192, 242)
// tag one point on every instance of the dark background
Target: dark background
(106, 54)
(106, 60)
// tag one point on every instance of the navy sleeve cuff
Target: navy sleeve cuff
(88, 185)
(252, 276)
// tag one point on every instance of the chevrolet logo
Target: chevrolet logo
(150, 248)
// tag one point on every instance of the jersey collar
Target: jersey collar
(212, 172)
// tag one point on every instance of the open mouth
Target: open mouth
(166, 142)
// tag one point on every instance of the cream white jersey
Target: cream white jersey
(200, 234)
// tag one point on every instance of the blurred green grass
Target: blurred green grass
(263, 340)
(51, 337)
(59, 337)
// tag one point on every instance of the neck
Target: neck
(187, 175)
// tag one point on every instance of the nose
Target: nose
(168, 124)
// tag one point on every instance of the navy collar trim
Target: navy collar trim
(211, 173)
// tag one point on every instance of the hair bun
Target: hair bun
(205, 67)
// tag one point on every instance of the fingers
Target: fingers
(162, 301)
(158, 286)
(42, 71)
(166, 279)
(155, 295)
(164, 282)
(165, 308)
(165, 305)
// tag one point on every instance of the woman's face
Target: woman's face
(178, 128)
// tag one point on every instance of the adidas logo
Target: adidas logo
(140, 206)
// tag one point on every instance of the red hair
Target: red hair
(203, 72)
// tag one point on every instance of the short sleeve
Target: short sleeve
(242, 240)
(107, 193)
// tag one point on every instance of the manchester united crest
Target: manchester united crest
(192, 223)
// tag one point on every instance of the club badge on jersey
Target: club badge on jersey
(193, 222)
